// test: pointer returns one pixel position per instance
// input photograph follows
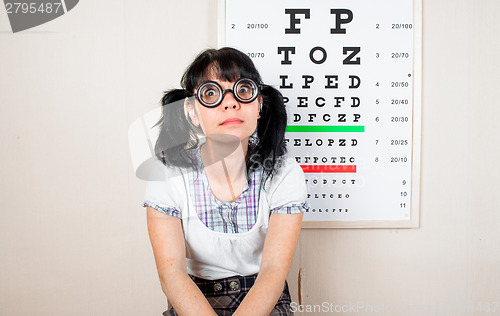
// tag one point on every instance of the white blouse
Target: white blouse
(212, 254)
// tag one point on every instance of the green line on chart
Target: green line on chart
(323, 128)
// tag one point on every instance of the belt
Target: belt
(231, 285)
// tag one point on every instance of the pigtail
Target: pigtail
(270, 145)
(173, 95)
(177, 134)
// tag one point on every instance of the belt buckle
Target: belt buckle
(234, 286)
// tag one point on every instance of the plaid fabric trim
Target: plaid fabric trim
(166, 210)
(225, 295)
(290, 208)
(226, 217)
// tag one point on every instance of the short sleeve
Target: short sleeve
(288, 189)
(163, 195)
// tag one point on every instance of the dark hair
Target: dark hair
(178, 135)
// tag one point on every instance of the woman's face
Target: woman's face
(230, 117)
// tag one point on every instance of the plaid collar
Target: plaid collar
(253, 179)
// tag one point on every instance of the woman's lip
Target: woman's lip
(231, 121)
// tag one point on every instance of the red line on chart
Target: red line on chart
(329, 168)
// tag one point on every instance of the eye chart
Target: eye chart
(350, 74)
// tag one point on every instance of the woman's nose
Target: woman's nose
(229, 101)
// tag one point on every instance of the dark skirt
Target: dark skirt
(225, 295)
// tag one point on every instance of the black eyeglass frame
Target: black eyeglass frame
(222, 93)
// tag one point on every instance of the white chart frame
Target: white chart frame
(414, 220)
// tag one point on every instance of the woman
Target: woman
(225, 222)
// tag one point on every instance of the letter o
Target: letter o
(311, 55)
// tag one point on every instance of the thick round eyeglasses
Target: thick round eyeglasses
(210, 93)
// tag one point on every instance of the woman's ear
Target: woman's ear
(190, 112)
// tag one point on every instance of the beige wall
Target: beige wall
(73, 236)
